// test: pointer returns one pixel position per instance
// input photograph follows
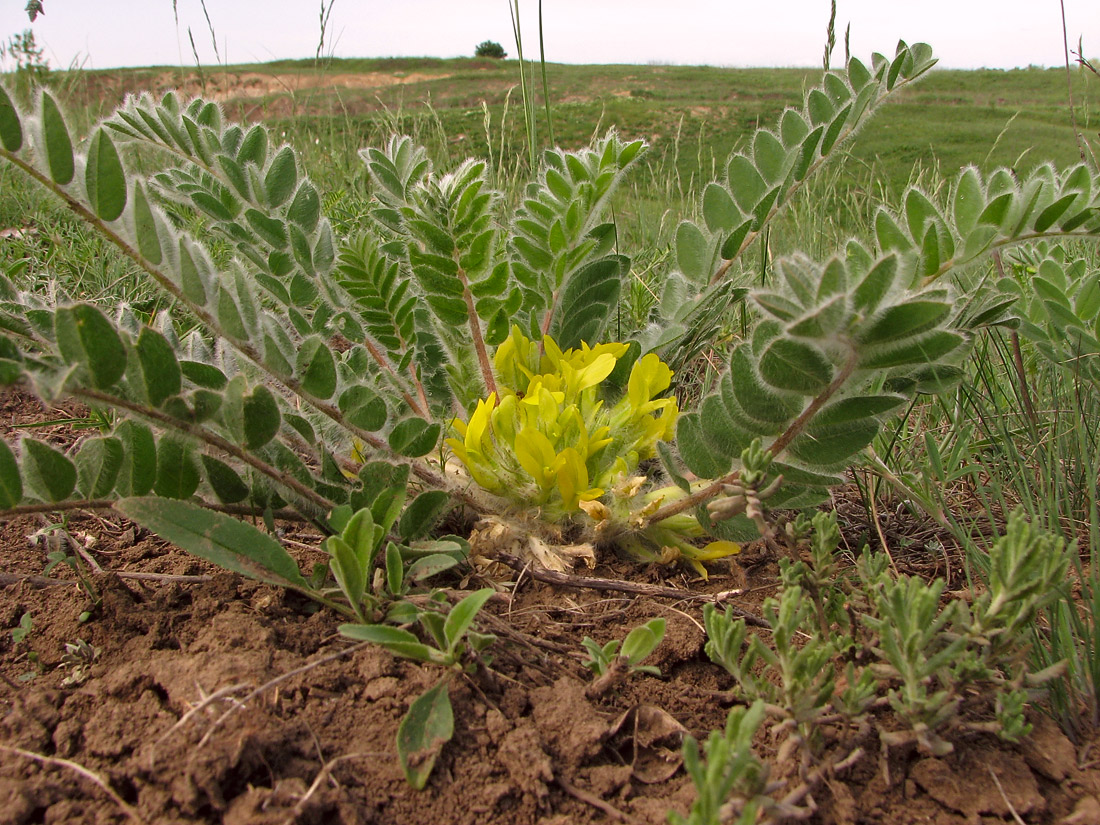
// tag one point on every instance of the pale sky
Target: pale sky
(963, 33)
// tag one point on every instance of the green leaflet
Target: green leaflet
(745, 182)
(203, 375)
(395, 570)
(731, 246)
(11, 485)
(177, 470)
(693, 252)
(858, 75)
(889, 235)
(86, 337)
(704, 458)
(924, 349)
(11, 360)
(48, 473)
(757, 399)
(836, 128)
(906, 319)
(349, 570)
(720, 213)
(145, 227)
(770, 156)
(461, 616)
(11, 131)
(841, 430)
(796, 366)
(98, 465)
(876, 285)
(224, 481)
(161, 377)
(394, 639)
(819, 107)
(968, 201)
(253, 147)
(426, 728)
(104, 177)
(431, 565)
(271, 230)
(221, 539)
(192, 279)
(138, 472)
(997, 210)
(317, 368)
(281, 177)
(56, 141)
(1050, 215)
(305, 209)
(422, 514)
(363, 408)
(261, 417)
(414, 437)
(643, 640)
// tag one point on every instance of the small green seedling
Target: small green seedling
(429, 723)
(450, 631)
(26, 625)
(19, 635)
(639, 643)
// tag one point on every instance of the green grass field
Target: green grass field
(694, 115)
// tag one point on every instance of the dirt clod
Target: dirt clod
(1006, 786)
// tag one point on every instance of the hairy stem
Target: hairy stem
(385, 365)
(93, 504)
(58, 507)
(475, 331)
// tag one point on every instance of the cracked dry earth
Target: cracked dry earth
(211, 698)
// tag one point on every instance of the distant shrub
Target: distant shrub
(490, 48)
(22, 56)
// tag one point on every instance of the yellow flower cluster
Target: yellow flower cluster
(547, 439)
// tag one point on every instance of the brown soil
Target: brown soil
(211, 698)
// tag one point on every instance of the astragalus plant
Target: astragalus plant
(453, 353)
